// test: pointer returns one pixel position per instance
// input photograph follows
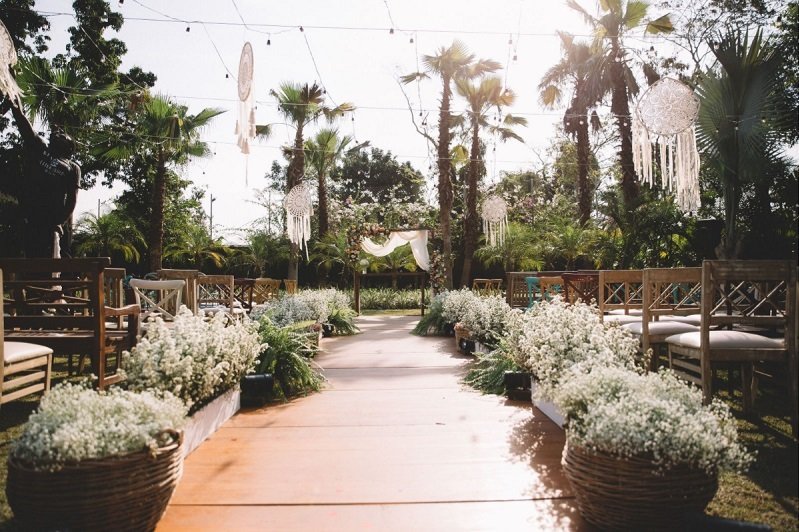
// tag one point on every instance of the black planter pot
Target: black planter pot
(256, 388)
(466, 346)
(517, 385)
(327, 330)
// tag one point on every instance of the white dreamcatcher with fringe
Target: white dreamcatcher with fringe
(665, 117)
(299, 207)
(494, 212)
(8, 58)
(245, 124)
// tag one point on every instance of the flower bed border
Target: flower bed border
(547, 407)
(209, 418)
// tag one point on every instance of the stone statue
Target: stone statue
(49, 189)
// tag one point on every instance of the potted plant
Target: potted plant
(201, 362)
(642, 452)
(96, 461)
(287, 356)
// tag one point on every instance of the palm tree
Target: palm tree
(448, 64)
(618, 18)
(301, 105)
(519, 252)
(107, 234)
(168, 135)
(322, 153)
(481, 97)
(740, 109)
(196, 247)
(399, 259)
(577, 69)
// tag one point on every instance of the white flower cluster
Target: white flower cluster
(194, 359)
(75, 422)
(560, 340)
(307, 305)
(621, 412)
(456, 304)
(486, 318)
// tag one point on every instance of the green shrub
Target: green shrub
(288, 359)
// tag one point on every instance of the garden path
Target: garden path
(394, 442)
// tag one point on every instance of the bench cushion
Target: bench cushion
(661, 327)
(726, 340)
(14, 352)
(621, 318)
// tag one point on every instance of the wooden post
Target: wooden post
(356, 288)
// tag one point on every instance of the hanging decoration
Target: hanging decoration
(299, 207)
(245, 125)
(495, 219)
(665, 117)
(8, 58)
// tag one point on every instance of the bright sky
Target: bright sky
(347, 47)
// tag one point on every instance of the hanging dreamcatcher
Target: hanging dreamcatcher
(245, 125)
(495, 220)
(665, 116)
(299, 206)
(8, 58)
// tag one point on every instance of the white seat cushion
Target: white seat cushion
(661, 327)
(14, 352)
(726, 340)
(630, 312)
(621, 318)
(693, 319)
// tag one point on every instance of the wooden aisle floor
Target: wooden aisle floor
(394, 443)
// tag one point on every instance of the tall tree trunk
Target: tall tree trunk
(445, 198)
(324, 224)
(156, 243)
(728, 249)
(620, 107)
(470, 220)
(583, 152)
(294, 175)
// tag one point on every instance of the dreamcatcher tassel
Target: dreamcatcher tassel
(299, 230)
(687, 172)
(642, 151)
(495, 231)
(299, 206)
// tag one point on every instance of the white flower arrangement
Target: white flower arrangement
(307, 305)
(196, 360)
(456, 304)
(74, 423)
(624, 413)
(560, 340)
(486, 318)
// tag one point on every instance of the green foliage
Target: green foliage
(521, 250)
(343, 321)
(108, 235)
(287, 359)
(389, 299)
(196, 249)
(376, 176)
(433, 321)
(487, 373)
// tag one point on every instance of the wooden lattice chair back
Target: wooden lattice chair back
(291, 286)
(583, 287)
(115, 294)
(265, 289)
(158, 298)
(25, 368)
(215, 293)
(748, 315)
(190, 290)
(620, 295)
(550, 285)
(487, 287)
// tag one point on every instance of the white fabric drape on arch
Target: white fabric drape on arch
(416, 239)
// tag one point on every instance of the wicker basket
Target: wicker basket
(461, 333)
(129, 492)
(628, 494)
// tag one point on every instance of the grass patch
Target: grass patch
(393, 312)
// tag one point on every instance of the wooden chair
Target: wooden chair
(581, 286)
(487, 287)
(667, 294)
(158, 298)
(215, 294)
(550, 286)
(115, 295)
(620, 298)
(190, 290)
(264, 290)
(60, 304)
(25, 368)
(291, 286)
(759, 294)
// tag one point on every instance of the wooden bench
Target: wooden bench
(620, 297)
(60, 304)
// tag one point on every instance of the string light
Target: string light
(411, 41)
(302, 29)
(188, 29)
(391, 31)
(269, 42)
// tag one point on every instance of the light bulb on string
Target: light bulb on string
(391, 31)
(515, 57)
(510, 39)
(302, 29)
(268, 41)
(227, 76)
(411, 41)
(188, 29)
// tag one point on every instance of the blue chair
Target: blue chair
(532, 288)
